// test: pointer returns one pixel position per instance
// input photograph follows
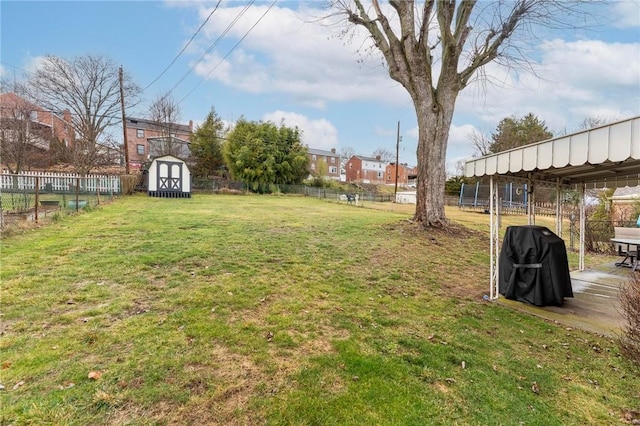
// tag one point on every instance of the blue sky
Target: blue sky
(290, 67)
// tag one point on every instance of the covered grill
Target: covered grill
(534, 267)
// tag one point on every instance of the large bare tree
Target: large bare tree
(434, 49)
(165, 113)
(24, 140)
(89, 87)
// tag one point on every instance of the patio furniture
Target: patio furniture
(534, 267)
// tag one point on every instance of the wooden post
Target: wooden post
(37, 188)
(395, 190)
(124, 124)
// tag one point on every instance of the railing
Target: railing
(31, 196)
(52, 182)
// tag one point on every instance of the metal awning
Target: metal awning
(603, 157)
(606, 156)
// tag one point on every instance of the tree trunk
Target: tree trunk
(434, 121)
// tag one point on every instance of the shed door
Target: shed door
(169, 176)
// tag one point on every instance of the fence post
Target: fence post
(77, 192)
(37, 188)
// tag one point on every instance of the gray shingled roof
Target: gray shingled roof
(143, 123)
(627, 191)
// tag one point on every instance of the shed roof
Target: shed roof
(605, 156)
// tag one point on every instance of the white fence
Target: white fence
(59, 182)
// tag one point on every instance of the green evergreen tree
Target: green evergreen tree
(260, 154)
(206, 147)
(513, 132)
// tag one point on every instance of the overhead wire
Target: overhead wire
(214, 44)
(230, 51)
(185, 46)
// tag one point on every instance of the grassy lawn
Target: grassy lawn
(282, 310)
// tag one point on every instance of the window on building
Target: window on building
(333, 160)
(380, 175)
(313, 157)
(140, 148)
(333, 170)
(140, 133)
(313, 166)
(351, 165)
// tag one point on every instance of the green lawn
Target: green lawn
(282, 310)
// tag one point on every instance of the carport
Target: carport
(602, 157)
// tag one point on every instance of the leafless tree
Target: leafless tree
(165, 113)
(481, 143)
(385, 155)
(345, 154)
(24, 139)
(89, 87)
(591, 122)
(434, 49)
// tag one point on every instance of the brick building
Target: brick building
(325, 163)
(50, 125)
(147, 139)
(365, 169)
(406, 174)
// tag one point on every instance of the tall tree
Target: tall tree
(206, 146)
(434, 49)
(165, 113)
(89, 87)
(262, 153)
(514, 132)
(24, 141)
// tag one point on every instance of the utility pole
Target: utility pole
(395, 190)
(124, 123)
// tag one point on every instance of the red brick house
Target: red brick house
(365, 169)
(406, 174)
(326, 163)
(147, 139)
(51, 125)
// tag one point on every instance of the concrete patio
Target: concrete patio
(595, 305)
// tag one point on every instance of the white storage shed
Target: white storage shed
(169, 177)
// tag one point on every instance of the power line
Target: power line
(185, 47)
(230, 51)
(214, 44)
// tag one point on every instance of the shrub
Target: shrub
(128, 183)
(630, 307)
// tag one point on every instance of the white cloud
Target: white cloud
(286, 54)
(573, 80)
(319, 134)
(32, 63)
(626, 13)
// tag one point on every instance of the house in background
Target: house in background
(48, 124)
(405, 173)
(624, 203)
(147, 139)
(324, 163)
(361, 169)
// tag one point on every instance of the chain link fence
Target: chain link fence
(33, 197)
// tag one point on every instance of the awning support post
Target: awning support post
(558, 209)
(583, 227)
(494, 227)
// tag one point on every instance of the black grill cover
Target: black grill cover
(534, 267)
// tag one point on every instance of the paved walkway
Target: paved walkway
(595, 305)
